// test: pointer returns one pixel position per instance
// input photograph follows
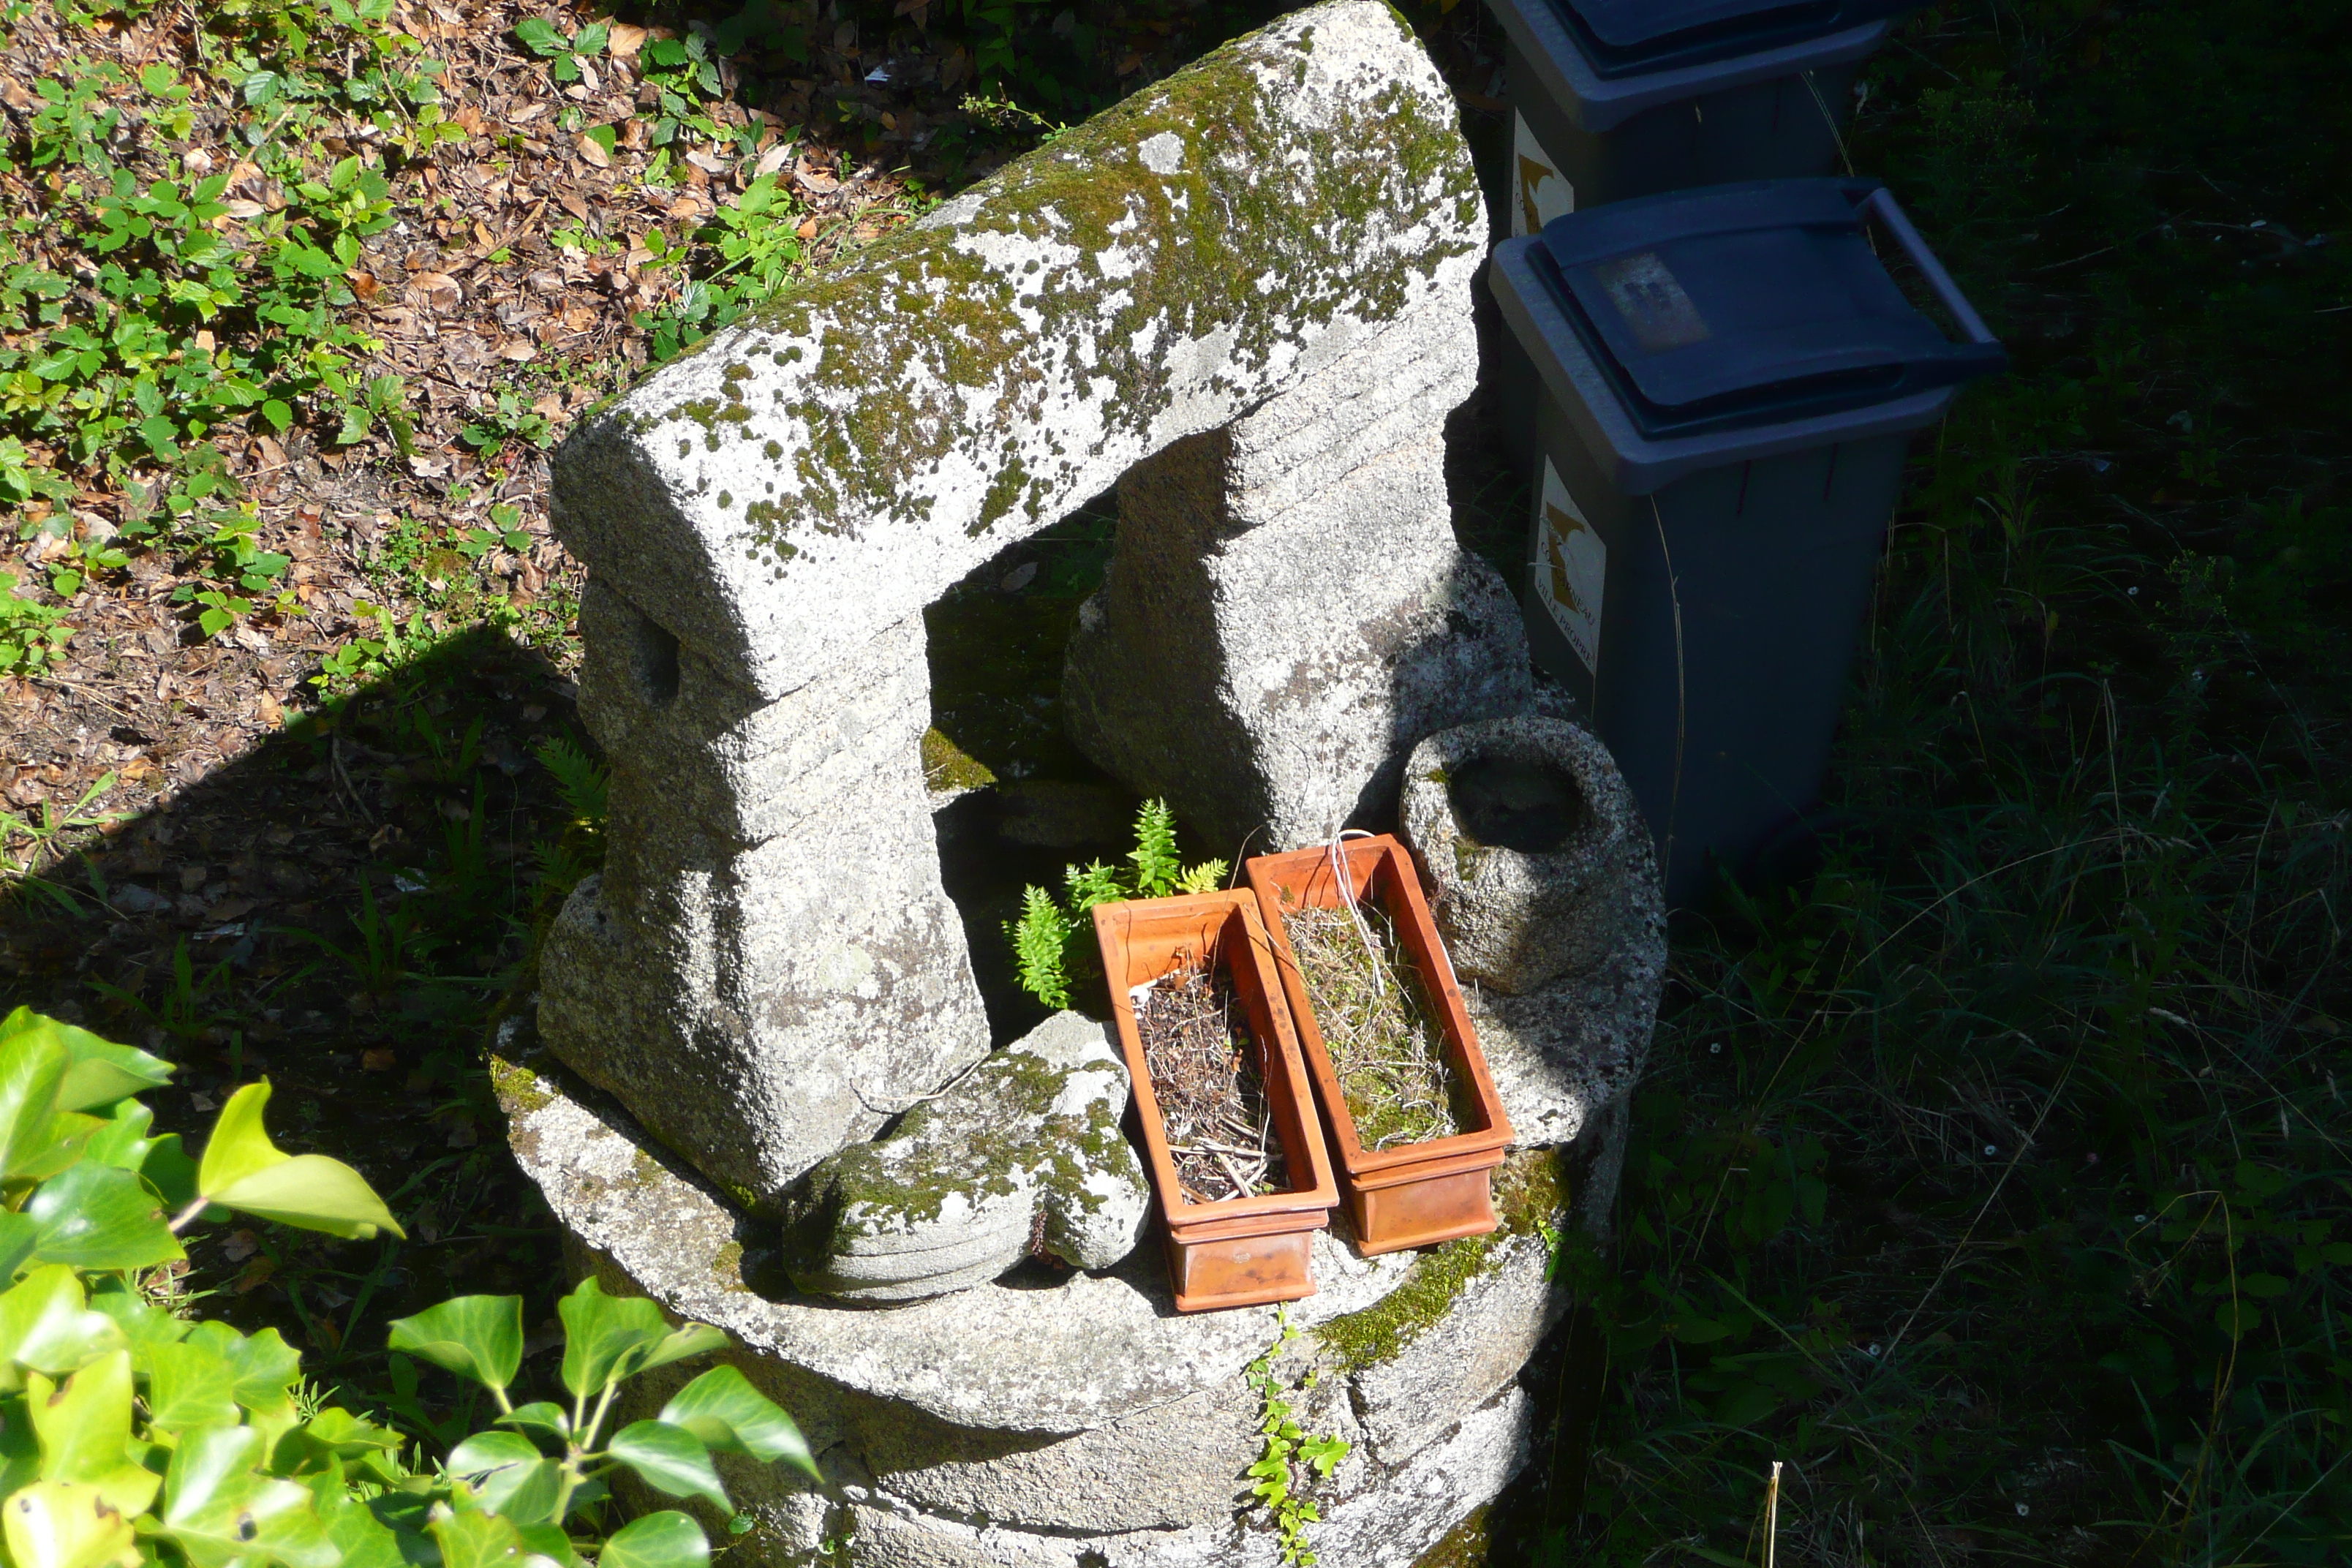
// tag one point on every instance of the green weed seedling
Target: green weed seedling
(1049, 945)
(1283, 1446)
(563, 55)
(34, 634)
(509, 418)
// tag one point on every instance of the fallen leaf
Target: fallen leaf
(381, 1059)
(572, 204)
(774, 158)
(814, 179)
(436, 290)
(240, 1246)
(256, 1274)
(593, 151)
(241, 208)
(624, 41)
(517, 349)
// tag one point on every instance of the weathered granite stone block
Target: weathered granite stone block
(1283, 234)
(768, 966)
(1544, 882)
(1022, 1154)
(1071, 1424)
(1286, 610)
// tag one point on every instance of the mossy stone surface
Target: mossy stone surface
(828, 466)
(1022, 1157)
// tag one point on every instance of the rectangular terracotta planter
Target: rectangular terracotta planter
(1424, 1192)
(1240, 1251)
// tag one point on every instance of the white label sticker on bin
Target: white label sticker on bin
(1539, 191)
(1571, 569)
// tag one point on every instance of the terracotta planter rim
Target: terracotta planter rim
(1308, 1205)
(1384, 1167)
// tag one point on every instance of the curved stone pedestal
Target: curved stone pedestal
(1074, 1419)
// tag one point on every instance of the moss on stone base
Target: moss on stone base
(948, 767)
(1530, 1191)
(1465, 1546)
(516, 1087)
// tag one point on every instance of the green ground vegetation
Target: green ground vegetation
(1996, 1181)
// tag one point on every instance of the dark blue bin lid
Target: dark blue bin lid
(1626, 37)
(1737, 305)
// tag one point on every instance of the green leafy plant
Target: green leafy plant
(1049, 941)
(243, 573)
(1283, 1447)
(509, 418)
(133, 1435)
(756, 243)
(33, 633)
(563, 55)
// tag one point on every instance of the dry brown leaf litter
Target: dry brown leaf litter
(1205, 1075)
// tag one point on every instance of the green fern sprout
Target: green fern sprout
(1040, 942)
(586, 785)
(1051, 950)
(580, 847)
(1205, 877)
(1157, 868)
(1095, 884)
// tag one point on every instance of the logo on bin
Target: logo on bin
(1651, 302)
(1571, 569)
(1539, 193)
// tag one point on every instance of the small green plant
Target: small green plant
(1283, 1446)
(246, 576)
(33, 634)
(1048, 945)
(507, 419)
(579, 848)
(563, 56)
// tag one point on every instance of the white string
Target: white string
(1348, 898)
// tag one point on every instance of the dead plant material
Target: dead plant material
(1378, 1028)
(1205, 1073)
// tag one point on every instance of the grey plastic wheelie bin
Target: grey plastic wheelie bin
(1729, 379)
(1615, 99)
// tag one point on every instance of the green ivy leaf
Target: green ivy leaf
(189, 1386)
(84, 1427)
(730, 1417)
(33, 1065)
(44, 1325)
(609, 1338)
(242, 1170)
(670, 1460)
(664, 1540)
(218, 1509)
(508, 1475)
(541, 1416)
(265, 1364)
(478, 1337)
(143, 1326)
(475, 1539)
(67, 1524)
(99, 1217)
(361, 1538)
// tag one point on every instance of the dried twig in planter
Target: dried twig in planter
(1204, 1072)
(1378, 1028)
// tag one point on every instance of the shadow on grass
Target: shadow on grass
(339, 910)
